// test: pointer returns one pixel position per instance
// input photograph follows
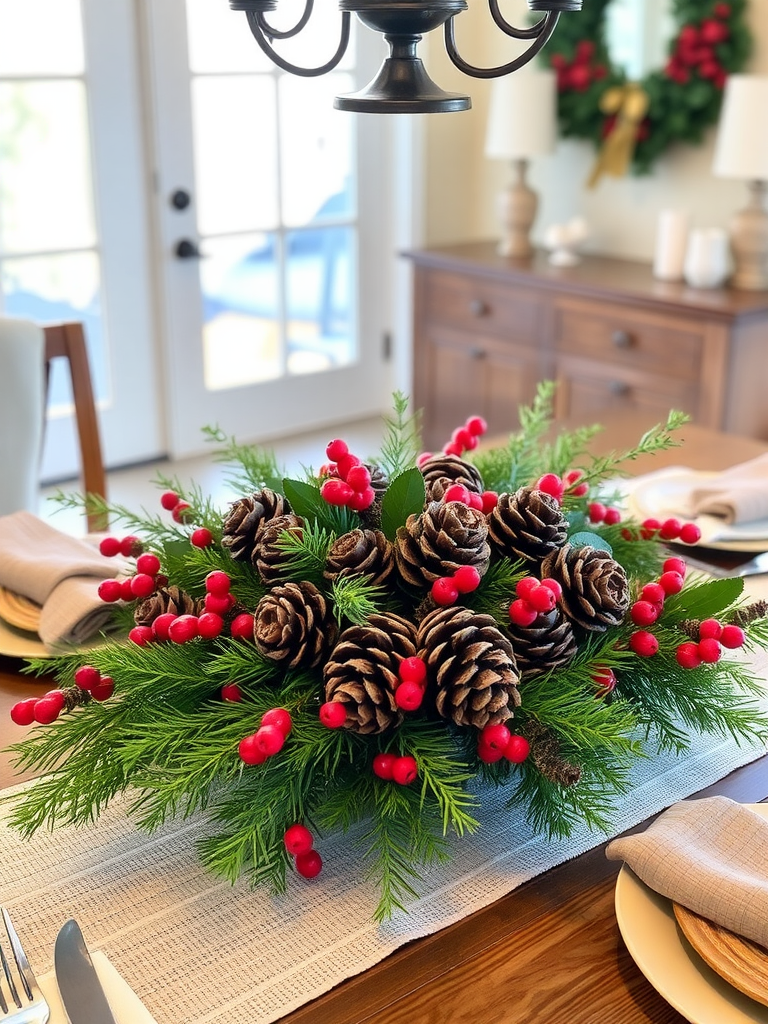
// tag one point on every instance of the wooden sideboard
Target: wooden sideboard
(487, 329)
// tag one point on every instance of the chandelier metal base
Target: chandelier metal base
(402, 86)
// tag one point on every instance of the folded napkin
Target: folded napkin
(708, 855)
(737, 495)
(123, 1001)
(57, 571)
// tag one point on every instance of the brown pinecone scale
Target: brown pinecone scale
(361, 672)
(293, 625)
(528, 524)
(246, 518)
(441, 471)
(167, 599)
(548, 643)
(445, 536)
(472, 666)
(269, 557)
(364, 552)
(596, 591)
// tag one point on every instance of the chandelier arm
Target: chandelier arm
(519, 33)
(260, 35)
(547, 28)
(273, 33)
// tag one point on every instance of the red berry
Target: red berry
(654, 593)
(422, 459)
(217, 582)
(336, 449)
(476, 501)
(345, 463)
(169, 500)
(732, 636)
(554, 586)
(87, 676)
(335, 491)
(183, 629)
(650, 527)
(269, 739)
(47, 710)
(476, 425)
(181, 512)
(232, 693)
(644, 613)
(279, 717)
(241, 626)
(542, 599)
(495, 736)
(249, 751)
(141, 635)
(466, 578)
(670, 529)
(551, 484)
(210, 625)
(412, 670)
(604, 679)
(612, 516)
(521, 613)
(298, 839)
(463, 437)
(142, 585)
(671, 582)
(201, 537)
(104, 690)
(405, 770)
(457, 492)
(490, 501)
(409, 696)
(109, 546)
(361, 500)
(643, 643)
(126, 590)
(359, 478)
(383, 766)
(453, 449)
(517, 749)
(162, 624)
(526, 586)
(148, 563)
(333, 714)
(675, 565)
(110, 591)
(444, 591)
(690, 533)
(596, 511)
(217, 604)
(131, 546)
(488, 754)
(709, 650)
(23, 712)
(687, 655)
(710, 628)
(309, 864)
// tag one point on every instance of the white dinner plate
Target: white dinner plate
(677, 972)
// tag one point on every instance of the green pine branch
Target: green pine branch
(402, 439)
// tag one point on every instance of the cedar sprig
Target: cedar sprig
(251, 467)
(306, 551)
(355, 598)
(402, 439)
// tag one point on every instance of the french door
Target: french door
(224, 233)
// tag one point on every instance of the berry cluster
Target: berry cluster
(144, 582)
(496, 741)
(129, 546)
(647, 608)
(572, 483)
(463, 439)
(597, 512)
(713, 636)
(299, 843)
(695, 52)
(348, 481)
(446, 589)
(209, 624)
(268, 739)
(670, 529)
(485, 502)
(180, 512)
(100, 687)
(44, 710)
(400, 768)
(582, 71)
(412, 673)
(534, 597)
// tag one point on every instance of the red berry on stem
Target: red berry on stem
(109, 546)
(476, 425)
(422, 459)
(554, 586)
(677, 565)
(336, 449)
(383, 766)
(409, 696)
(525, 586)
(687, 655)
(87, 676)
(495, 736)
(466, 578)
(521, 613)
(309, 864)
(709, 650)
(444, 591)
(732, 636)
(517, 749)
(457, 492)
(650, 527)
(23, 712)
(298, 839)
(131, 546)
(183, 629)
(671, 582)
(201, 537)
(654, 593)
(690, 533)
(231, 693)
(241, 626)
(488, 754)
(279, 717)
(148, 563)
(670, 529)
(162, 624)
(643, 643)
(359, 478)
(345, 464)
(490, 501)
(453, 449)
(218, 604)
(217, 582)
(104, 690)
(210, 625)
(110, 591)
(644, 613)
(551, 484)
(710, 628)
(48, 708)
(249, 751)
(476, 501)
(604, 679)
(269, 739)
(412, 670)
(405, 770)
(612, 516)
(181, 512)
(336, 491)
(143, 585)
(542, 599)
(169, 500)
(141, 635)
(126, 590)
(361, 500)
(333, 714)
(596, 511)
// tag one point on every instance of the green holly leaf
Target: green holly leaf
(305, 499)
(404, 497)
(702, 600)
(585, 538)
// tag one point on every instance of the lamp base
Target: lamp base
(518, 204)
(749, 242)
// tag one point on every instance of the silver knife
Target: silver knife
(81, 991)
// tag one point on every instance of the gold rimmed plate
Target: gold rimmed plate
(19, 611)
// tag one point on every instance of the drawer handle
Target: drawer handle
(622, 339)
(619, 388)
(479, 308)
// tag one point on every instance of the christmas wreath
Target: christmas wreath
(380, 641)
(683, 97)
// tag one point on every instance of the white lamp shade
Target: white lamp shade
(522, 116)
(741, 150)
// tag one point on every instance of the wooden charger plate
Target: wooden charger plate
(741, 962)
(19, 611)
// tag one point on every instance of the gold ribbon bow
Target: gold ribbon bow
(630, 105)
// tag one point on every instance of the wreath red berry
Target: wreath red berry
(712, 41)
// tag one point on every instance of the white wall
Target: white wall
(462, 185)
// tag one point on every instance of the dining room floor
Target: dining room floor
(134, 487)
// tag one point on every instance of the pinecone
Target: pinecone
(548, 643)
(246, 518)
(292, 625)
(166, 599)
(441, 471)
(269, 557)
(527, 524)
(362, 674)
(595, 587)
(367, 552)
(371, 517)
(472, 664)
(379, 479)
(546, 756)
(437, 542)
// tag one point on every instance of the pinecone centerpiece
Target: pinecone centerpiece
(383, 640)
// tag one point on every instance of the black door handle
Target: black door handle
(187, 250)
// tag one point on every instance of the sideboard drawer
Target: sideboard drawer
(472, 305)
(664, 346)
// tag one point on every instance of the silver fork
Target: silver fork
(21, 1001)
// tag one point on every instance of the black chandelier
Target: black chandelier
(402, 84)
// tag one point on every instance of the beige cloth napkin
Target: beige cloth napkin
(57, 571)
(123, 1001)
(737, 495)
(709, 855)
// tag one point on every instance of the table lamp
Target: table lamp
(521, 125)
(741, 151)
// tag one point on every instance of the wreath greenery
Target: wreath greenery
(711, 42)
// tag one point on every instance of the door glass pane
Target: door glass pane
(235, 164)
(319, 303)
(241, 336)
(221, 43)
(318, 41)
(40, 37)
(45, 175)
(315, 135)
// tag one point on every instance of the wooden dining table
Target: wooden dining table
(550, 951)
